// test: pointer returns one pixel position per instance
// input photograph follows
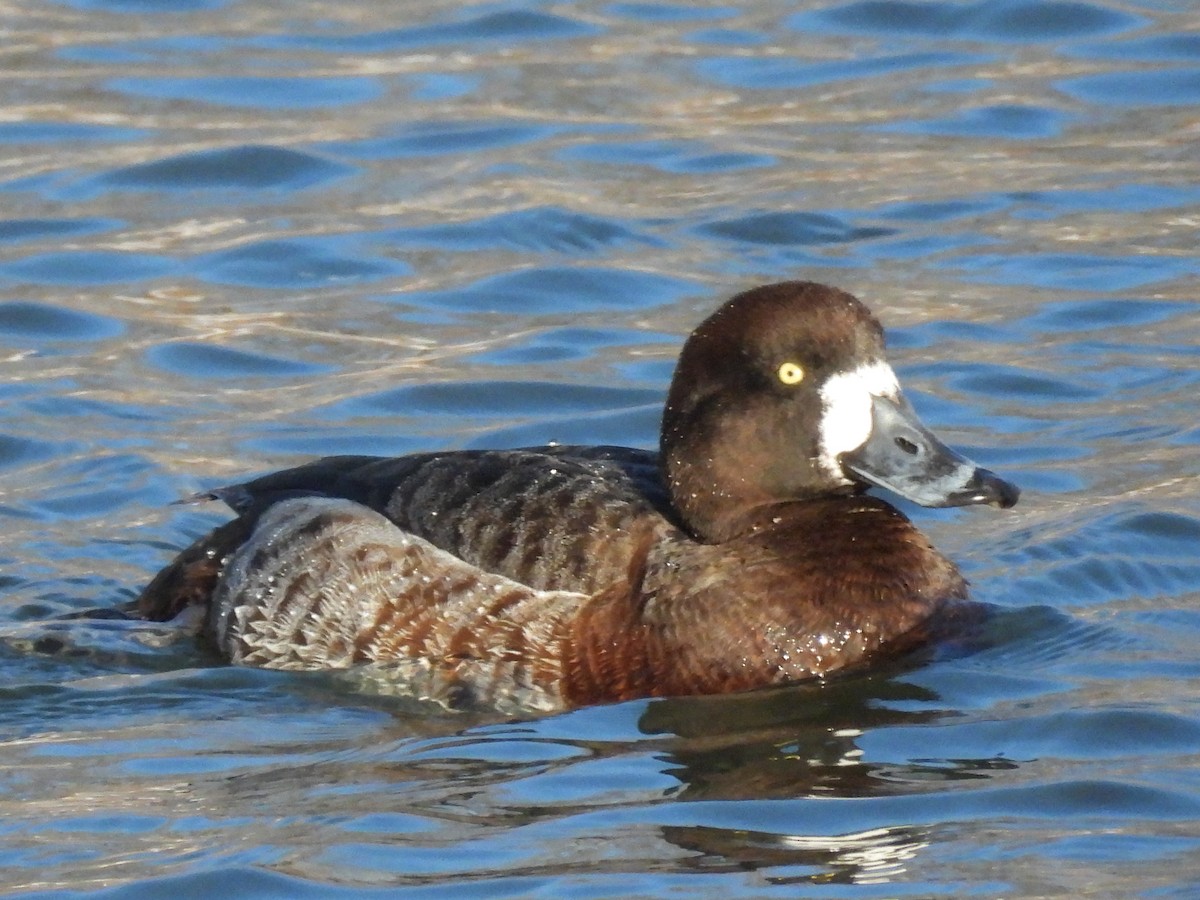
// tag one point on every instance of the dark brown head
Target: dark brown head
(784, 394)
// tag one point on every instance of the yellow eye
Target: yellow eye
(790, 373)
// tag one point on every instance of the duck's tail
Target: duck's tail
(190, 579)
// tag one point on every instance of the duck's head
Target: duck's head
(784, 394)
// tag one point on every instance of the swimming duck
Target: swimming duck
(745, 553)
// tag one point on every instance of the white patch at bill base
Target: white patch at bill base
(846, 400)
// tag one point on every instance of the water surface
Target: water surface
(235, 235)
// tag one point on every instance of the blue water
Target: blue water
(234, 235)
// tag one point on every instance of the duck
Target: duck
(753, 549)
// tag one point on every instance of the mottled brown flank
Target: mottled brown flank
(559, 576)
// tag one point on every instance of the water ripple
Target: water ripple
(542, 229)
(23, 322)
(547, 289)
(1007, 122)
(87, 267)
(676, 157)
(295, 263)
(791, 229)
(509, 25)
(253, 92)
(500, 398)
(55, 132)
(1168, 87)
(207, 361)
(248, 167)
(1019, 21)
(444, 138)
(14, 231)
(790, 74)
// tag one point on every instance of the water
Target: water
(234, 235)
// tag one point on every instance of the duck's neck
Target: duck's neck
(719, 498)
(693, 461)
(712, 497)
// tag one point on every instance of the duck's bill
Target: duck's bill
(904, 456)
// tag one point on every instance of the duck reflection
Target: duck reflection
(803, 743)
(875, 856)
(800, 740)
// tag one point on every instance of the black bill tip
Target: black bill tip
(986, 487)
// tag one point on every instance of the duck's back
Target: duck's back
(554, 518)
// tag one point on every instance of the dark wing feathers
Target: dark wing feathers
(558, 518)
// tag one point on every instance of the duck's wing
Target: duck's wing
(554, 518)
(550, 517)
